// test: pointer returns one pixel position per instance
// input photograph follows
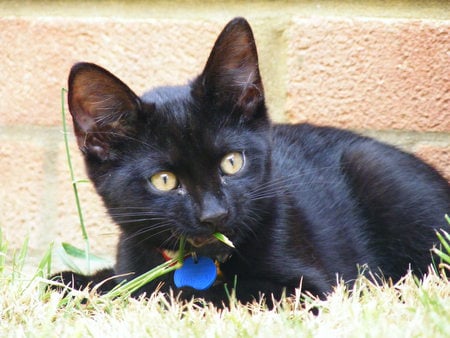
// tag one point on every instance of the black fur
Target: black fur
(310, 202)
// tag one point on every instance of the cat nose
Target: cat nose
(213, 218)
(212, 213)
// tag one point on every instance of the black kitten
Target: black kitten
(301, 203)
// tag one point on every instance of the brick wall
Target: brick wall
(382, 71)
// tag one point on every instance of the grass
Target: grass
(409, 308)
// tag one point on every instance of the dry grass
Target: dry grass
(406, 309)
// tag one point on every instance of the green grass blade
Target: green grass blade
(74, 181)
(43, 270)
(81, 180)
(181, 249)
(75, 252)
(133, 285)
(45, 265)
(68, 261)
(3, 251)
(444, 241)
(19, 260)
(442, 255)
(224, 239)
(23, 251)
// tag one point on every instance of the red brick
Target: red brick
(370, 73)
(37, 54)
(22, 193)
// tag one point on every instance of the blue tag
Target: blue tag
(199, 275)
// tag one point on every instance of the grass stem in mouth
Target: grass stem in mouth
(135, 284)
(224, 239)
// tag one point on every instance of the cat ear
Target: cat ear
(231, 75)
(102, 107)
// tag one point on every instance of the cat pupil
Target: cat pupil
(231, 160)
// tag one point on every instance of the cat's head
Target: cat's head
(187, 160)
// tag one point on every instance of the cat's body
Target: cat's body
(301, 203)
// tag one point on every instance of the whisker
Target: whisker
(129, 207)
(146, 229)
(280, 184)
(136, 214)
(170, 238)
(154, 235)
(138, 220)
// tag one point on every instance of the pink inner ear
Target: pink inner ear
(102, 106)
(85, 122)
(97, 97)
(232, 66)
(82, 116)
(238, 55)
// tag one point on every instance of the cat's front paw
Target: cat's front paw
(102, 281)
(70, 279)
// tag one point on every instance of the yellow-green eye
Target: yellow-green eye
(232, 163)
(164, 181)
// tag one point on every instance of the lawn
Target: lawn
(408, 309)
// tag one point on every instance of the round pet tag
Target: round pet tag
(199, 275)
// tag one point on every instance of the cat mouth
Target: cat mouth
(212, 245)
(209, 246)
(170, 254)
(200, 241)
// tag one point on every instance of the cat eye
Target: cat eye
(231, 163)
(164, 181)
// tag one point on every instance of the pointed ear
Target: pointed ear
(231, 75)
(103, 109)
